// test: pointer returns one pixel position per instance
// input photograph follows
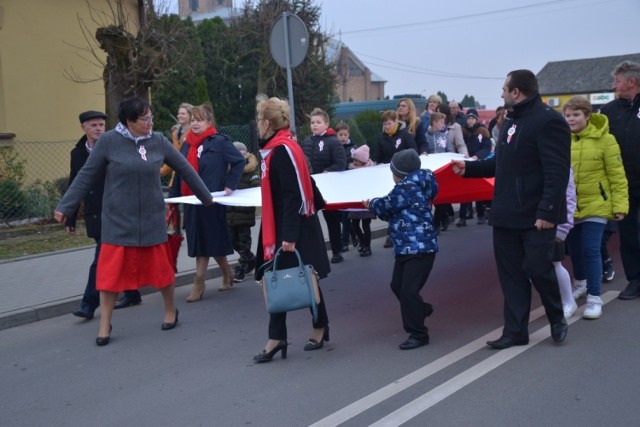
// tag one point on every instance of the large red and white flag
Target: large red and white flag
(347, 189)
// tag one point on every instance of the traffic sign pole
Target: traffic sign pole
(292, 52)
(287, 54)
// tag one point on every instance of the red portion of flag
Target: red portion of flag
(451, 189)
(457, 189)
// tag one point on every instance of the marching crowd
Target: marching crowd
(563, 183)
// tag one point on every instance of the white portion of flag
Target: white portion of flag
(336, 187)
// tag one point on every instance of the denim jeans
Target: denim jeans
(585, 240)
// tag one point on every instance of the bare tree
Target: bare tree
(141, 51)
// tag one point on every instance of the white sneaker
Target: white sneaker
(569, 309)
(579, 288)
(594, 307)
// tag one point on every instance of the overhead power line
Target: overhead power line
(424, 71)
(461, 17)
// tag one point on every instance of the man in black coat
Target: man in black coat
(93, 125)
(624, 124)
(531, 169)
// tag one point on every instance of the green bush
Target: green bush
(369, 116)
(354, 133)
(61, 185)
(12, 200)
(11, 166)
(370, 125)
(41, 199)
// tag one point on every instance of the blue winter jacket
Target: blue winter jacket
(407, 208)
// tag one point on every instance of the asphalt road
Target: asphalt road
(202, 373)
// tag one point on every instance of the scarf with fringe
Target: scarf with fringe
(307, 208)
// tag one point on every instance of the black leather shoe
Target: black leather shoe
(632, 291)
(559, 330)
(170, 325)
(84, 312)
(412, 343)
(336, 259)
(506, 342)
(317, 345)
(125, 301)
(102, 341)
(267, 356)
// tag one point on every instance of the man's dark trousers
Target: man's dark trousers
(91, 298)
(524, 257)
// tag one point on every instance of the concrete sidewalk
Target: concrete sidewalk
(40, 287)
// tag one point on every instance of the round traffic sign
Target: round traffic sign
(298, 40)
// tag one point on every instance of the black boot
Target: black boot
(366, 251)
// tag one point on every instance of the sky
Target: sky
(467, 47)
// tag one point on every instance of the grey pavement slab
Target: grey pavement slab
(40, 287)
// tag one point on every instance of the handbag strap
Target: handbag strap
(275, 258)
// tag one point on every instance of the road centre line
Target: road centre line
(446, 389)
(356, 408)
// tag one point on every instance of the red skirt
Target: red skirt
(125, 268)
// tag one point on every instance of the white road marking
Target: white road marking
(446, 389)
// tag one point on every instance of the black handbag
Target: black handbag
(290, 289)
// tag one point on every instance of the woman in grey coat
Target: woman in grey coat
(134, 233)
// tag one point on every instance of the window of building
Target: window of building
(354, 70)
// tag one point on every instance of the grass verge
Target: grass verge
(38, 239)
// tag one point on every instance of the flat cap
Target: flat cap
(88, 115)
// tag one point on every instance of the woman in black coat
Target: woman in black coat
(289, 218)
(220, 166)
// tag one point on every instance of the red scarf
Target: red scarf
(282, 137)
(195, 142)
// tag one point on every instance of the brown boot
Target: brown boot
(227, 273)
(197, 291)
(227, 279)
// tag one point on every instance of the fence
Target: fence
(34, 175)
